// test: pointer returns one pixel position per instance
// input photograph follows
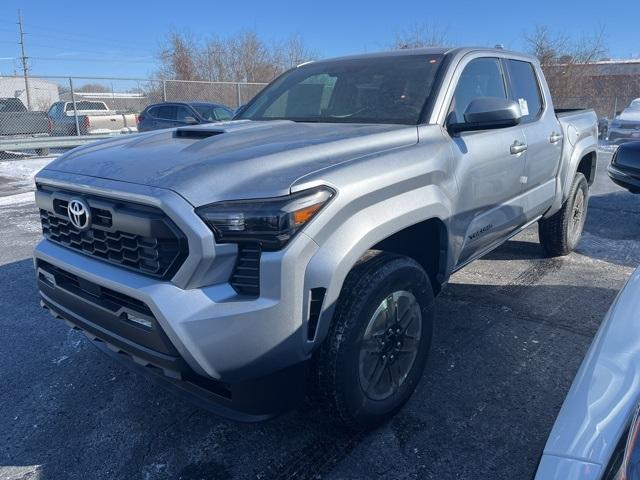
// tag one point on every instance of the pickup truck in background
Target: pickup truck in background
(15, 119)
(94, 118)
(302, 243)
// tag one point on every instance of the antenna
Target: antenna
(25, 66)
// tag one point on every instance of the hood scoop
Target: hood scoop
(196, 133)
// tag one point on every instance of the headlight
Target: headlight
(272, 222)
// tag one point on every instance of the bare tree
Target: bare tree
(178, 57)
(553, 48)
(568, 65)
(293, 52)
(547, 46)
(243, 57)
(93, 87)
(420, 35)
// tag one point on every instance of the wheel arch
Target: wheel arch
(329, 267)
(583, 159)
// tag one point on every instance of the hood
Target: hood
(231, 160)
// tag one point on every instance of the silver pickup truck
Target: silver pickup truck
(299, 247)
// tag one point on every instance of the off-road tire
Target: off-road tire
(376, 276)
(559, 234)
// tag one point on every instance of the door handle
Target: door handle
(518, 147)
(555, 137)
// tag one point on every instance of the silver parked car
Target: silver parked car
(626, 126)
(595, 435)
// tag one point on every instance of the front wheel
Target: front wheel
(378, 345)
(560, 233)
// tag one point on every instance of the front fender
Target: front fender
(363, 229)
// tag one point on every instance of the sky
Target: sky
(122, 39)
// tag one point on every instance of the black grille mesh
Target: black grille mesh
(158, 256)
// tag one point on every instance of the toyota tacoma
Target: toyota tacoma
(299, 247)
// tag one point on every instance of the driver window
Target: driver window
(481, 77)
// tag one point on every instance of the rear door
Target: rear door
(488, 164)
(164, 116)
(542, 135)
(185, 116)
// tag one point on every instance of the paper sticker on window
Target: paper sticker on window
(524, 107)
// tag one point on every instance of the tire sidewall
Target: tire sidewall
(580, 183)
(403, 275)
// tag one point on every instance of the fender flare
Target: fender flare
(330, 265)
(584, 147)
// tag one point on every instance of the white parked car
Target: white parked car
(595, 436)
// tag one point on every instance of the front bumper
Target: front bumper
(250, 401)
(240, 349)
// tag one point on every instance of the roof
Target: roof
(198, 102)
(426, 51)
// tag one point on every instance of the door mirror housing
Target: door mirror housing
(487, 113)
(190, 120)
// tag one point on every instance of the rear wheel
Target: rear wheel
(377, 348)
(560, 233)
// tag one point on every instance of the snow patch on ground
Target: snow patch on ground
(27, 197)
(16, 176)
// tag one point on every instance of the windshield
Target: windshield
(390, 89)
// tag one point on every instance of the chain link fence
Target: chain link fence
(42, 113)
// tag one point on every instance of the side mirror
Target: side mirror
(486, 113)
(190, 120)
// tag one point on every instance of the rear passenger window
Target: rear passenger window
(481, 77)
(525, 89)
(165, 112)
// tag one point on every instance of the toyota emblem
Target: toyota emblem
(79, 213)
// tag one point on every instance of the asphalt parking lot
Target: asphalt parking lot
(511, 331)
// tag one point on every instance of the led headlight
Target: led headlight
(272, 222)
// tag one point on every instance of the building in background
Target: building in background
(606, 86)
(43, 93)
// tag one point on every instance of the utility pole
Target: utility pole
(25, 66)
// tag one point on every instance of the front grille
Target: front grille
(133, 236)
(246, 274)
(103, 296)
